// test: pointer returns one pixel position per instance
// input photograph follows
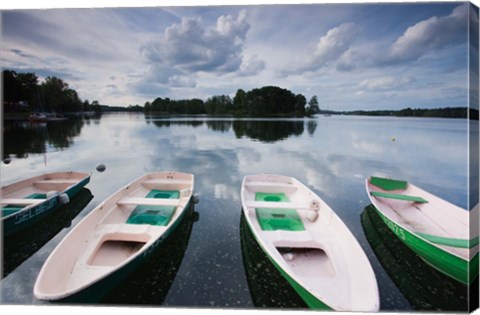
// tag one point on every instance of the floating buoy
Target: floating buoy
(393, 139)
(64, 199)
(7, 160)
(195, 198)
(101, 167)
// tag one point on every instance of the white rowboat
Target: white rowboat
(115, 238)
(309, 244)
(28, 201)
(438, 231)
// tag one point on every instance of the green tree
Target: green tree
(55, 93)
(313, 106)
(240, 102)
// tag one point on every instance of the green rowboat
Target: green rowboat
(436, 230)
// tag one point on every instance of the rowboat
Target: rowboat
(115, 238)
(28, 201)
(309, 244)
(436, 230)
(425, 288)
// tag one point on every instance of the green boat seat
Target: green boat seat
(154, 215)
(388, 184)
(454, 242)
(271, 219)
(398, 196)
(9, 209)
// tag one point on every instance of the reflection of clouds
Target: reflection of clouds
(333, 161)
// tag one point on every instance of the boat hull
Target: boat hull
(436, 230)
(115, 238)
(450, 265)
(96, 291)
(310, 300)
(23, 219)
(308, 244)
(262, 277)
(425, 288)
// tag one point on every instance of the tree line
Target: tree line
(24, 92)
(447, 112)
(260, 102)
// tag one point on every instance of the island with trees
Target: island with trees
(24, 93)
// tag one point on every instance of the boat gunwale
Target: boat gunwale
(446, 249)
(150, 244)
(282, 265)
(85, 177)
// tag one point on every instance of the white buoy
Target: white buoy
(101, 167)
(64, 199)
(195, 198)
(312, 215)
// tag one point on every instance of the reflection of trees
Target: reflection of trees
(168, 123)
(219, 125)
(62, 133)
(311, 127)
(268, 131)
(423, 286)
(21, 139)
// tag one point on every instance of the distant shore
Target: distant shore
(449, 112)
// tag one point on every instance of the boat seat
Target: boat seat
(272, 214)
(167, 181)
(122, 228)
(16, 204)
(56, 181)
(283, 238)
(159, 209)
(398, 196)
(148, 202)
(278, 205)
(388, 184)
(18, 201)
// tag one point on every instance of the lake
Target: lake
(204, 265)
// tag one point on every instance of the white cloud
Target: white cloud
(429, 35)
(385, 83)
(190, 46)
(328, 50)
(251, 66)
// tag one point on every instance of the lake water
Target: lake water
(206, 265)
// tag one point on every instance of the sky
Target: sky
(350, 55)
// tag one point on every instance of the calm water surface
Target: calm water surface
(207, 265)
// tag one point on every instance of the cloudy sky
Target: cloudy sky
(352, 56)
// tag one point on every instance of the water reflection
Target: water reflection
(23, 138)
(267, 286)
(424, 287)
(220, 125)
(19, 247)
(332, 156)
(270, 130)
